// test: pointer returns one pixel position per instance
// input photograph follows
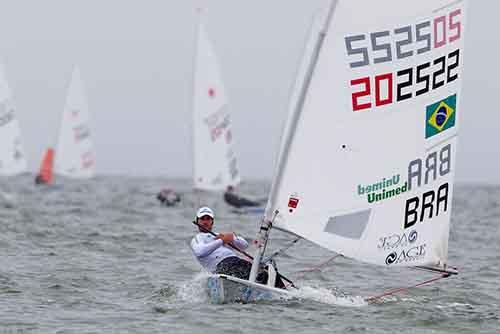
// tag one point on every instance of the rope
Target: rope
(398, 290)
(317, 267)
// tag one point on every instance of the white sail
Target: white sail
(215, 164)
(305, 62)
(368, 170)
(75, 155)
(12, 157)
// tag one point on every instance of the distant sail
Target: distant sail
(45, 174)
(215, 163)
(75, 156)
(369, 169)
(12, 157)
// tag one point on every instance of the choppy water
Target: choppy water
(104, 257)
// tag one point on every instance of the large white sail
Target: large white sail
(369, 167)
(215, 164)
(12, 157)
(75, 155)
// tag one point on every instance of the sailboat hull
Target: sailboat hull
(223, 289)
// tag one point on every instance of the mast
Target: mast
(266, 224)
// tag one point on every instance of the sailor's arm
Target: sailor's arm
(239, 242)
(203, 249)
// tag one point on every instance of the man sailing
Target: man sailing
(214, 254)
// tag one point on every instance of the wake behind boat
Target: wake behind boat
(347, 200)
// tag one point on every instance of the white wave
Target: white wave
(455, 306)
(327, 296)
(194, 290)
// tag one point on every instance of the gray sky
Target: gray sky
(136, 62)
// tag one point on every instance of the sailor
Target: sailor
(168, 197)
(39, 179)
(233, 199)
(214, 254)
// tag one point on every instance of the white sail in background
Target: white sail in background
(215, 164)
(12, 157)
(369, 169)
(75, 155)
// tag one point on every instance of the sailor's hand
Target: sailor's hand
(227, 237)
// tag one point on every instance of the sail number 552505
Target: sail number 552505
(403, 42)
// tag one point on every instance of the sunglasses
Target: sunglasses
(206, 218)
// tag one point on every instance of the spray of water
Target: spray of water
(194, 290)
(327, 296)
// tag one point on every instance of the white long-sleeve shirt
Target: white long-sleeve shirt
(210, 251)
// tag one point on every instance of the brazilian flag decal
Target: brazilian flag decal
(440, 116)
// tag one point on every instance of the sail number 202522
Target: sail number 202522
(404, 84)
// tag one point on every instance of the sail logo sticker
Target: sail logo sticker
(217, 123)
(293, 202)
(396, 240)
(440, 116)
(383, 189)
(406, 255)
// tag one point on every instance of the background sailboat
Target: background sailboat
(215, 162)
(75, 156)
(46, 172)
(12, 157)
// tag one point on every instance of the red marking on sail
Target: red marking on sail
(211, 92)
(293, 202)
(45, 175)
(74, 113)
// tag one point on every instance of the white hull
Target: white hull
(223, 289)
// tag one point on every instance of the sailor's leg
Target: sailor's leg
(234, 266)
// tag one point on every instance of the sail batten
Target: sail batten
(382, 108)
(214, 159)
